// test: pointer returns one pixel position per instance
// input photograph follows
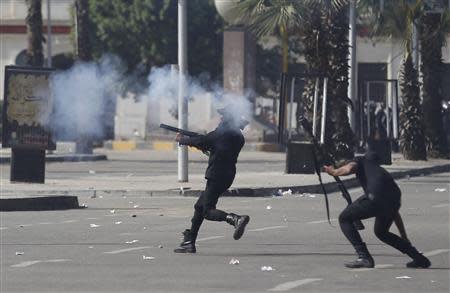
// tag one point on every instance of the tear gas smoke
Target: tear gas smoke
(81, 95)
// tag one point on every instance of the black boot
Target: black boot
(188, 244)
(364, 259)
(419, 260)
(239, 223)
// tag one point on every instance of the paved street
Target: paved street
(86, 250)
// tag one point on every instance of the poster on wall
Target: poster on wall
(27, 108)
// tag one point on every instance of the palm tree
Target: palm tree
(433, 30)
(325, 38)
(396, 20)
(266, 17)
(324, 30)
(35, 53)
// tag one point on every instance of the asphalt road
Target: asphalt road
(87, 251)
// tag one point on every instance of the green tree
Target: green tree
(324, 35)
(35, 37)
(143, 33)
(412, 141)
(396, 20)
(323, 28)
(433, 30)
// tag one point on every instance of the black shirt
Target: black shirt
(224, 144)
(376, 181)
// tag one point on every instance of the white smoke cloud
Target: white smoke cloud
(80, 97)
(164, 83)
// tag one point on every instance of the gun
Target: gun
(329, 159)
(184, 132)
(179, 130)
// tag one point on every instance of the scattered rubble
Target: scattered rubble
(267, 269)
(234, 261)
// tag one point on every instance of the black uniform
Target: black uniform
(382, 201)
(223, 145)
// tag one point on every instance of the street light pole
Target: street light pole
(352, 64)
(49, 35)
(182, 98)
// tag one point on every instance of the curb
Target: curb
(64, 158)
(43, 203)
(62, 200)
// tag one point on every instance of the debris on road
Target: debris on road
(132, 241)
(20, 253)
(147, 257)
(94, 225)
(268, 208)
(118, 222)
(440, 189)
(234, 261)
(160, 246)
(267, 269)
(403, 277)
(133, 216)
(92, 172)
(136, 206)
(112, 211)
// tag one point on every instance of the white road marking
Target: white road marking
(126, 250)
(210, 238)
(45, 223)
(436, 252)
(33, 262)
(443, 205)
(26, 264)
(266, 228)
(3, 228)
(380, 266)
(294, 284)
(321, 221)
(69, 221)
(91, 218)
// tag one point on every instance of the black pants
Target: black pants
(384, 213)
(205, 207)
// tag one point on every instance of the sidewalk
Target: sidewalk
(264, 182)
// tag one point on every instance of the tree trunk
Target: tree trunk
(412, 137)
(35, 55)
(326, 53)
(431, 42)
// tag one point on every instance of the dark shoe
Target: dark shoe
(419, 261)
(239, 223)
(188, 244)
(361, 263)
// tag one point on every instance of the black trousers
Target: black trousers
(384, 213)
(205, 207)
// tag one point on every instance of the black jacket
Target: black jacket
(376, 181)
(224, 144)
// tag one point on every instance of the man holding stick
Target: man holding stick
(382, 201)
(223, 145)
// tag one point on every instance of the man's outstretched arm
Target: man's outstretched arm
(347, 169)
